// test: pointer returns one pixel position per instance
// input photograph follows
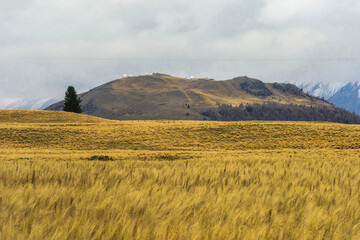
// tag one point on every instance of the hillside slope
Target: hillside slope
(160, 96)
(41, 116)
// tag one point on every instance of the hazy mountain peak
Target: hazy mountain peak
(28, 104)
(344, 95)
(321, 89)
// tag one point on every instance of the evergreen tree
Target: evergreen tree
(72, 102)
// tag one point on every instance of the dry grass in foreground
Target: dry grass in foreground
(178, 180)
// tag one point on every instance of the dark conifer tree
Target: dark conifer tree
(72, 102)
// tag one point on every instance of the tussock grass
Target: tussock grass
(179, 180)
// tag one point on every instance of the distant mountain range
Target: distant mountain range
(25, 104)
(344, 95)
(160, 96)
(151, 96)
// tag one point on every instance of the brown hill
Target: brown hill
(160, 96)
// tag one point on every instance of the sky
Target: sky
(46, 45)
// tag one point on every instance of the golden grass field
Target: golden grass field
(176, 179)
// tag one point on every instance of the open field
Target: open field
(176, 179)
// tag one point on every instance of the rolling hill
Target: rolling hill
(71, 131)
(160, 96)
(39, 116)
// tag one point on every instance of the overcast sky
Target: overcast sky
(46, 45)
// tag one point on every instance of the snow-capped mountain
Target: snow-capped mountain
(24, 104)
(348, 97)
(344, 95)
(323, 90)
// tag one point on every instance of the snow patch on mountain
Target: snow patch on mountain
(344, 95)
(321, 89)
(348, 97)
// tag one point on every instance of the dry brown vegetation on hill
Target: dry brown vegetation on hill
(176, 179)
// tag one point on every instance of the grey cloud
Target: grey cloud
(236, 18)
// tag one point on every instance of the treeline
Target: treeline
(281, 112)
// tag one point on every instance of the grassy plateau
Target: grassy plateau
(176, 179)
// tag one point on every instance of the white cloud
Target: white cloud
(289, 43)
(283, 10)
